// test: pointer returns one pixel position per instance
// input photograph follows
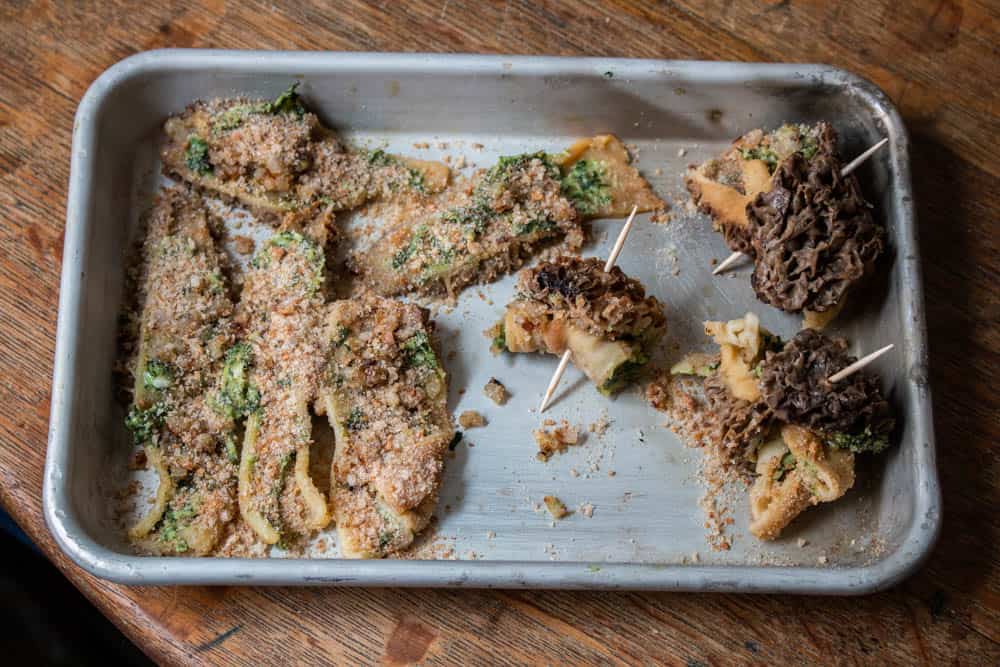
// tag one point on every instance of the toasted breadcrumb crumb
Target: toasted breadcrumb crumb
(600, 427)
(471, 419)
(496, 391)
(555, 507)
(556, 440)
(244, 245)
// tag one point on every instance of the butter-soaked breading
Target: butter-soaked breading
(516, 207)
(604, 318)
(184, 330)
(281, 311)
(275, 157)
(385, 394)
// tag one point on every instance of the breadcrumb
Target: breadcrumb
(244, 245)
(471, 419)
(555, 506)
(557, 440)
(496, 391)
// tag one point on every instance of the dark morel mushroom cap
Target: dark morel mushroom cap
(794, 385)
(740, 424)
(812, 234)
(605, 303)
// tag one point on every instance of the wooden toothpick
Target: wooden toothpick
(848, 168)
(859, 160)
(564, 361)
(727, 262)
(860, 363)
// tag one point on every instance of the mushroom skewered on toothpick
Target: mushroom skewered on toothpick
(564, 361)
(850, 167)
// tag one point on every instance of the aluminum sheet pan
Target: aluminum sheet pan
(646, 531)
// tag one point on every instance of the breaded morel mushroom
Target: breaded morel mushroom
(184, 328)
(604, 318)
(781, 199)
(772, 414)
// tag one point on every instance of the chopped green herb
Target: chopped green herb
(416, 181)
(455, 441)
(157, 375)
(786, 464)
(143, 423)
(232, 455)
(356, 420)
(416, 241)
(196, 156)
(442, 260)
(172, 523)
(586, 185)
(237, 396)
(233, 117)
(760, 153)
(624, 374)
(283, 464)
(287, 102)
(866, 441)
(379, 158)
(474, 218)
(499, 343)
(385, 538)
(808, 147)
(534, 227)
(419, 352)
(313, 253)
(508, 165)
(343, 333)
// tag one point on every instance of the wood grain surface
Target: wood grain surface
(939, 63)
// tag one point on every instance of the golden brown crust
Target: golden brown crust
(514, 208)
(281, 308)
(625, 185)
(184, 327)
(608, 304)
(385, 394)
(724, 186)
(273, 161)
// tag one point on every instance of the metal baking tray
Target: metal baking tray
(646, 531)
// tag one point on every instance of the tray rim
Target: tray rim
(146, 570)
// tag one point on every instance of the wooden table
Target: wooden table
(939, 63)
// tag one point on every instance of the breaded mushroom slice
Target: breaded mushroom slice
(385, 394)
(275, 157)
(604, 318)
